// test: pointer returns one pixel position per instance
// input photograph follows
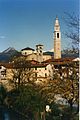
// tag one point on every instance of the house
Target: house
(37, 55)
(2, 73)
(26, 51)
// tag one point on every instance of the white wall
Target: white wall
(2, 73)
(26, 52)
(46, 72)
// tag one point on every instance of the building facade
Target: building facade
(27, 51)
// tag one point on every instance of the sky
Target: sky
(26, 23)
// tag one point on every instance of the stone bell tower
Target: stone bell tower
(57, 40)
(39, 50)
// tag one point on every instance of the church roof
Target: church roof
(28, 48)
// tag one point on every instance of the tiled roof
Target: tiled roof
(33, 63)
(59, 61)
(7, 65)
(27, 64)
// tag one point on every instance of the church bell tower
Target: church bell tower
(39, 50)
(57, 40)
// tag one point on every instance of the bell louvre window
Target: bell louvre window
(57, 35)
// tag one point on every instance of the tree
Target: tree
(72, 22)
(55, 113)
(27, 100)
(3, 94)
(65, 85)
(25, 97)
(22, 73)
(29, 97)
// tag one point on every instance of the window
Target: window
(40, 51)
(25, 53)
(39, 54)
(45, 75)
(29, 68)
(35, 68)
(35, 74)
(45, 68)
(57, 35)
(40, 47)
(3, 72)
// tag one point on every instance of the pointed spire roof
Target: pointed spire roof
(56, 21)
(56, 17)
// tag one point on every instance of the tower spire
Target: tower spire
(56, 26)
(56, 17)
(57, 39)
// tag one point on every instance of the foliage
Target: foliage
(3, 94)
(22, 72)
(68, 114)
(65, 85)
(30, 98)
(25, 97)
(55, 113)
(27, 100)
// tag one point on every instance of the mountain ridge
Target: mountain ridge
(10, 52)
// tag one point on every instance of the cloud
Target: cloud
(52, 50)
(2, 37)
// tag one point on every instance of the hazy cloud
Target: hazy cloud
(2, 37)
(52, 50)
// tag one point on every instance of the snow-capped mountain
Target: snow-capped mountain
(10, 49)
(7, 54)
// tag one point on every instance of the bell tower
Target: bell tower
(57, 40)
(39, 50)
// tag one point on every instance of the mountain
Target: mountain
(9, 50)
(48, 53)
(75, 55)
(8, 54)
(64, 54)
(70, 53)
